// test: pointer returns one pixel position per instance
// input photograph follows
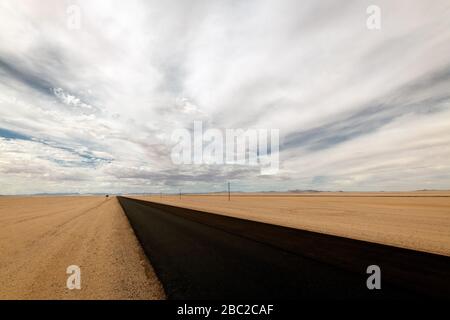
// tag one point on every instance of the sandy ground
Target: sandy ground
(417, 220)
(41, 236)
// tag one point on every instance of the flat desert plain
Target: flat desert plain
(414, 220)
(41, 236)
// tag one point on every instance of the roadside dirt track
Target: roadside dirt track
(41, 236)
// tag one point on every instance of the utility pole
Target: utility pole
(228, 190)
(180, 194)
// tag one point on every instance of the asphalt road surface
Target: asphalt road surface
(198, 255)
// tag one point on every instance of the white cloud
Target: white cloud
(360, 109)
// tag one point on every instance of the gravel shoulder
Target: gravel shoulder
(41, 236)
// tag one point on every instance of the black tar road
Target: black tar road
(198, 255)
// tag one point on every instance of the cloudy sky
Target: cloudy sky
(91, 107)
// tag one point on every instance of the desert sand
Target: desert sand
(415, 220)
(41, 236)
